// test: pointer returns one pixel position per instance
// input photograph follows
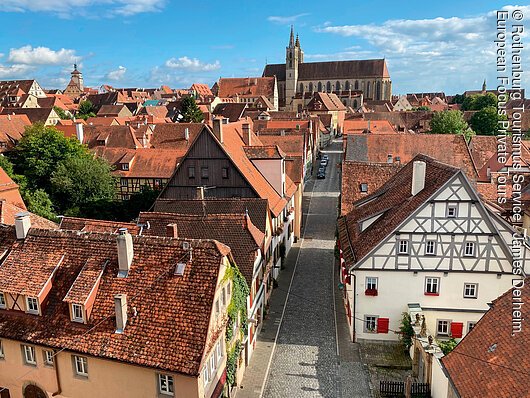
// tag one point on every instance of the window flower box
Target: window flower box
(370, 292)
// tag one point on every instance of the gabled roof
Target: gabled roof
(491, 361)
(91, 225)
(356, 126)
(257, 208)
(290, 144)
(264, 152)
(171, 328)
(231, 110)
(327, 102)
(114, 137)
(172, 135)
(234, 230)
(34, 114)
(395, 202)
(246, 87)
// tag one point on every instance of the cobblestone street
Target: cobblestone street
(311, 356)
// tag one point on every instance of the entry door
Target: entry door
(4, 392)
(32, 391)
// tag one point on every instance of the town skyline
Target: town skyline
(434, 43)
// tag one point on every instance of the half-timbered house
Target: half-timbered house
(424, 240)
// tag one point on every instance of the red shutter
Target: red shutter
(456, 329)
(382, 325)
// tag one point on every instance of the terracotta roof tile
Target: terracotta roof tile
(91, 225)
(351, 126)
(172, 135)
(246, 87)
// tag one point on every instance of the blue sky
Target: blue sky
(429, 46)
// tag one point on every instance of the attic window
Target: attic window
(32, 305)
(364, 187)
(125, 166)
(3, 304)
(180, 268)
(77, 313)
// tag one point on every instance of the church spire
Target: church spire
(484, 86)
(291, 39)
(297, 44)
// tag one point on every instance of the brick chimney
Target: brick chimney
(172, 231)
(218, 129)
(22, 224)
(79, 132)
(247, 135)
(120, 306)
(200, 193)
(187, 134)
(125, 252)
(418, 176)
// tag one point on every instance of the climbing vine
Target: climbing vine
(406, 330)
(231, 363)
(238, 302)
(447, 346)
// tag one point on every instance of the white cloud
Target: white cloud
(68, 8)
(285, 20)
(117, 74)
(191, 64)
(29, 55)
(455, 53)
(14, 71)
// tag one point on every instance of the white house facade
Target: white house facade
(447, 258)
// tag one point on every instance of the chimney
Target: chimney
(389, 158)
(187, 134)
(172, 231)
(218, 129)
(247, 135)
(418, 176)
(200, 193)
(8, 116)
(79, 132)
(125, 252)
(120, 306)
(282, 133)
(22, 224)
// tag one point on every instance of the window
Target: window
(370, 324)
(77, 313)
(48, 357)
(191, 172)
(32, 305)
(3, 304)
(2, 355)
(81, 366)
(123, 182)
(470, 326)
(371, 283)
(223, 297)
(432, 286)
(225, 172)
(452, 211)
(470, 290)
(29, 355)
(430, 248)
(219, 350)
(158, 183)
(217, 308)
(212, 365)
(403, 247)
(205, 375)
(469, 249)
(125, 166)
(165, 384)
(364, 187)
(204, 172)
(442, 327)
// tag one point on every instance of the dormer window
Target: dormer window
(125, 166)
(364, 187)
(32, 305)
(77, 313)
(3, 304)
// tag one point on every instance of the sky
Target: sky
(429, 45)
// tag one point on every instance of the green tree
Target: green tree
(6, 164)
(190, 111)
(448, 122)
(447, 346)
(78, 181)
(479, 101)
(61, 113)
(38, 202)
(458, 99)
(486, 121)
(39, 152)
(86, 109)
(406, 330)
(421, 108)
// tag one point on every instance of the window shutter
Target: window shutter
(456, 329)
(382, 325)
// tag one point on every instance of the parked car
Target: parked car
(321, 175)
(325, 157)
(321, 169)
(323, 163)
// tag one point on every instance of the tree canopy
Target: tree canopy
(61, 113)
(448, 122)
(486, 121)
(86, 109)
(190, 111)
(479, 101)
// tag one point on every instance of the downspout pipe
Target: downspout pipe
(59, 389)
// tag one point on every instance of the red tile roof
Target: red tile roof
(491, 362)
(172, 135)
(234, 230)
(264, 152)
(91, 225)
(171, 327)
(8, 211)
(9, 190)
(352, 126)
(395, 201)
(246, 87)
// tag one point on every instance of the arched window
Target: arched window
(378, 91)
(337, 86)
(356, 84)
(328, 87)
(347, 86)
(301, 87)
(311, 87)
(319, 89)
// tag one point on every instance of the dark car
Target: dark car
(321, 169)
(321, 175)
(325, 157)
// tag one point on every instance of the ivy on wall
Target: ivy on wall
(231, 363)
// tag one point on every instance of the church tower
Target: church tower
(77, 78)
(293, 56)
